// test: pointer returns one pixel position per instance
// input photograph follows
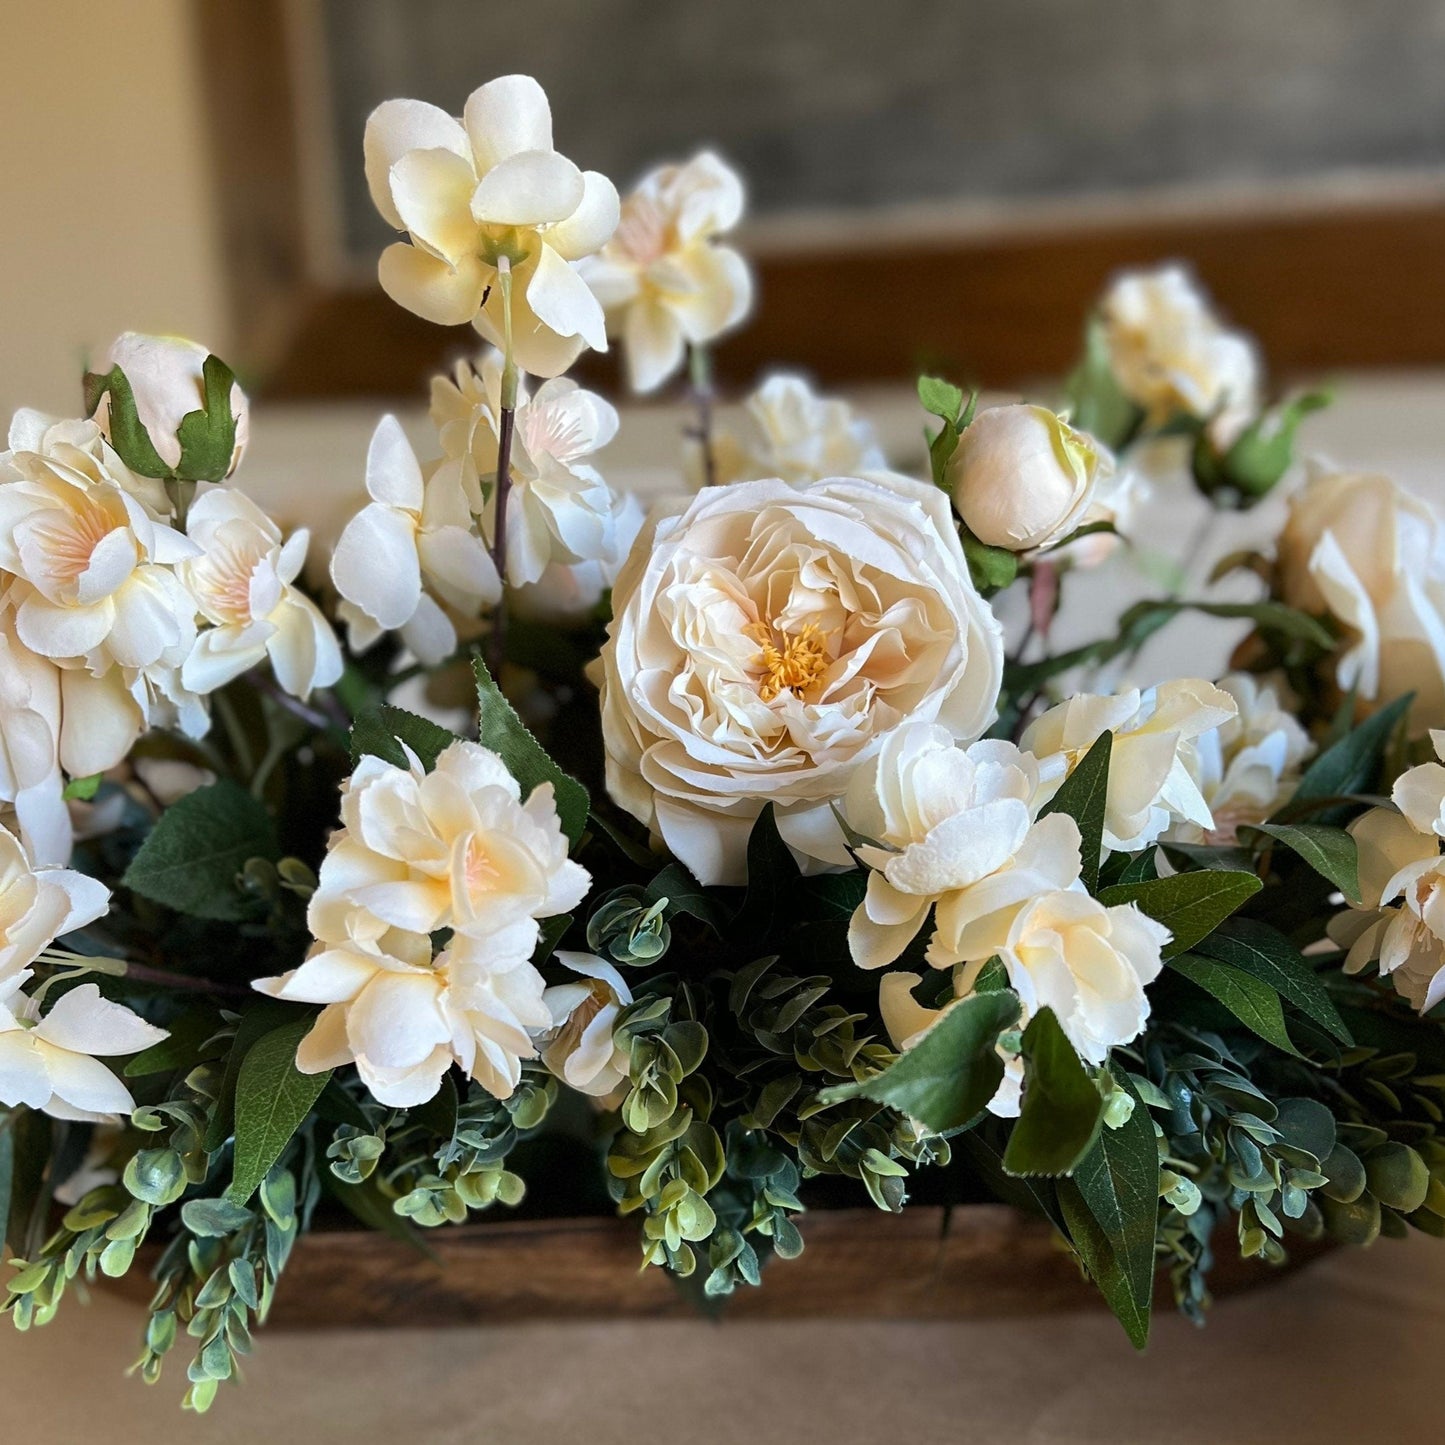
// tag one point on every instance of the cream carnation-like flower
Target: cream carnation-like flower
(38, 904)
(1023, 478)
(1150, 786)
(242, 585)
(409, 552)
(1171, 355)
(53, 1063)
(952, 830)
(794, 433)
(1247, 767)
(663, 279)
(579, 1048)
(474, 192)
(765, 638)
(1361, 549)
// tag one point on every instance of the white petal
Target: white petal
(84, 1022)
(99, 722)
(505, 116)
(326, 1046)
(393, 474)
(433, 191)
(375, 565)
(86, 1084)
(24, 1078)
(591, 225)
(396, 127)
(560, 299)
(434, 290)
(532, 188)
(654, 345)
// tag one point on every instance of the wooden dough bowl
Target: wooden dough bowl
(979, 1260)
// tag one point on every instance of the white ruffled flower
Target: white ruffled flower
(795, 434)
(1023, 478)
(165, 376)
(53, 1063)
(765, 638)
(410, 552)
(452, 848)
(242, 584)
(1361, 549)
(956, 834)
(473, 192)
(1171, 355)
(1150, 786)
(1401, 920)
(579, 1048)
(663, 280)
(38, 905)
(30, 778)
(1247, 767)
(559, 508)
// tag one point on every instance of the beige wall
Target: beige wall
(102, 168)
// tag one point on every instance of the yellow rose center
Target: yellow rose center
(791, 662)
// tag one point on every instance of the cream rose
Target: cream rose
(1361, 549)
(764, 640)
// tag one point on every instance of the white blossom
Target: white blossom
(579, 1048)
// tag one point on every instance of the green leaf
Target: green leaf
(504, 732)
(27, 1140)
(1264, 952)
(208, 435)
(82, 789)
(1097, 403)
(685, 894)
(439, 1113)
(941, 398)
(130, 439)
(772, 879)
(991, 568)
(261, 1016)
(947, 1078)
(1350, 765)
(214, 1218)
(273, 1098)
(382, 732)
(1331, 852)
(193, 855)
(1255, 1004)
(1082, 796)
(1062, 1108)
(178, 1051)
(1112, 1206)
(1272, 617)
(1189, 905)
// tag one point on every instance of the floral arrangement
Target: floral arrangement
(759, 855)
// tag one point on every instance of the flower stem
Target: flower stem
(699, 361)
(165, 978)
(497, 640)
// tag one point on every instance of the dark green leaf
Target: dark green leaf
(1082, 796)
(504, 732)
(337, 1106)
(193, 855)
(1351, 765)
(177, 1052)
(947, 1078)
(439, 1113)
(130, 439)
(772, 879)
(1255, 1004)
(28, 1140)
(261, 1016)
(1331, 852)
(1062, 1108)
(382, 732)
(273, 1098)
(685, 895)
(1189, 905)
(208, 435)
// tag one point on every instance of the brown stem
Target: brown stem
(703, 396)
(164, 978)
(312, 716)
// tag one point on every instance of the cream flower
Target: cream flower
(1171, 355)
(1364, 551)
(474, 191)
(956, 832)
(765, 638)
(453, 848)
(579, 1049)
(1247, 767)
(663, 280)
(560, 508)
(1150, 786)
(1022, 477)
(80, 449)
(410, 550)
(38, 904)
(404, 1017)
(51, 1063)
(30, 777)
(242, 584)
(165, 376)
(799, 436)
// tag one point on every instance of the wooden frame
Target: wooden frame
(1326, 283)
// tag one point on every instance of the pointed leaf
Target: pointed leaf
(1082, 796)
(1062, 1108)
(1189, 905)
(1331, 852)
(1255, 1004)
(382, 731)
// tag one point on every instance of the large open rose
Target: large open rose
(765, 638)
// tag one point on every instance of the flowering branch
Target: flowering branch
(497, 641)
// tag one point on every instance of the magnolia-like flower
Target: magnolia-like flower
(559, 508)
(453, 848)
(1022, 477)
(410, 551)
(242, 585)
(1150, 785)
(663, 280)
(1401, 920)
(30, 778)
(1249, 766)
(579, 1049)
(38, 904)
(1172, 357)
(952, 830)
(53, 1063)
(793, 433)
(765, 638)
(1361, 549)
(404, 1017)
(165, 376)
(489, 189)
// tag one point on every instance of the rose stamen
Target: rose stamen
(791, 662)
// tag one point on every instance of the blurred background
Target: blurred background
(941, 182)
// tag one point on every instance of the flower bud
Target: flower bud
(1023, 478)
